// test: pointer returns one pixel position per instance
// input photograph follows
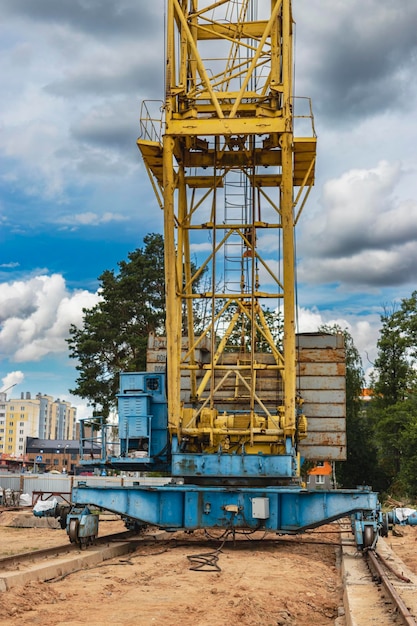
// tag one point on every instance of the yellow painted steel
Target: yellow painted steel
(224, 167)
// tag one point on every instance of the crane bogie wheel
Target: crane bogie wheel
(368, 536)
(73, 531)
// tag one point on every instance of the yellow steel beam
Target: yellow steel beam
(228, 167)
(251, 30)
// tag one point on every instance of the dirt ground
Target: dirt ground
(259, 583)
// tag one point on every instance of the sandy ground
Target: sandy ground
(405, 545)
(259, 583)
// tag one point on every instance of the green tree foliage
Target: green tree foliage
(114, 333)
(360, 466)
(395, 435)
(408, 448)
(241, 335)
(393, 369)
(394, 407)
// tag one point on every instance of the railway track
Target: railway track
(59, 561)
(378, 587)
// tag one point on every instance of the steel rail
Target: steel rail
(22, 557)
(376, 567)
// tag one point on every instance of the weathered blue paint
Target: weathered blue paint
(211, 500)
(216, 465)
(189, 507)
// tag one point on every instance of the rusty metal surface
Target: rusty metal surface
(322, 385)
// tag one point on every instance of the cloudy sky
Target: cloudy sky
(75, 199)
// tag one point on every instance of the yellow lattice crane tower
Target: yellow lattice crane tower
(224, 167)
(231, 179)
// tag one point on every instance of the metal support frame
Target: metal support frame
(229, 112)
(185, 507)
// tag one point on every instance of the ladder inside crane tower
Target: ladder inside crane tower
(232, 180)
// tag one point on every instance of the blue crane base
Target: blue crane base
(286, 510)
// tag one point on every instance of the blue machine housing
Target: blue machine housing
(143, 440)
(143, 422)
(232, 466)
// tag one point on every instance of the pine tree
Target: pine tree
(114, 334)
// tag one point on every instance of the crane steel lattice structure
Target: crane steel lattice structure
(232, 180)
(229, 122)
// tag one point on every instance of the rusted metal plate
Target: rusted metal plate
(329, 453)
(326, 424)
(320, 341)
(320, 382)
(324, 396)
(322, 369)
(321, 355)
(322, 385)
(325, 439)
(312, 409)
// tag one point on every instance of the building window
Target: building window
(10, 440)
(56, 461)
(11, 431)
(319, 480)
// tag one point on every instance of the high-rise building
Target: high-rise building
(41, 417)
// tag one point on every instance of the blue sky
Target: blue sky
(75, 198)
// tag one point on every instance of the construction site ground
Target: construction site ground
(259, 583)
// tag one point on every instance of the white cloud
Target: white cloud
(11, 379)
(36, 316)
(308, 320)
(89, 218)
(366, 234)
(364, 330)
(201, 247)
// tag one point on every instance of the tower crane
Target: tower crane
(232, 399)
